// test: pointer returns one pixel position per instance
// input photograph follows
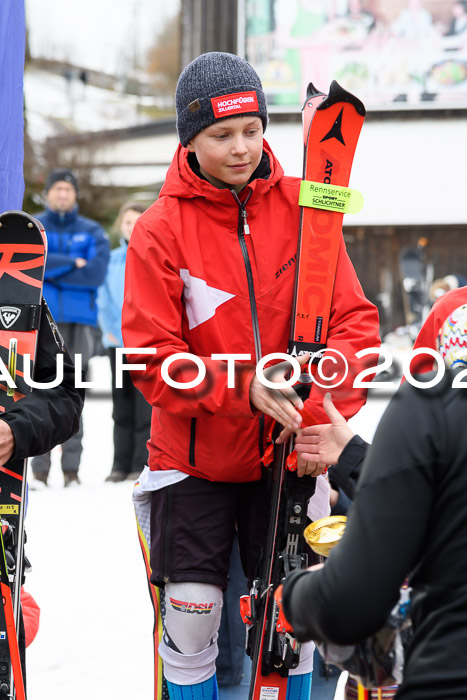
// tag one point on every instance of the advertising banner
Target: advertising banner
(385, 51)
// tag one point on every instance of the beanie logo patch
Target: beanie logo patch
(237, 103)
(194, 106)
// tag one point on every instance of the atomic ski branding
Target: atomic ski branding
(335, 132)
(328, 171)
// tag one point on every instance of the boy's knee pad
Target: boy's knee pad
(192, 615)
(192, 619)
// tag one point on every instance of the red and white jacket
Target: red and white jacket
(195, 282)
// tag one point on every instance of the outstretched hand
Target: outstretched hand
(324, 443)
(280, 404)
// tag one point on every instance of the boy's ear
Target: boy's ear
(190, 146)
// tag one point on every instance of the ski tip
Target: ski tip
(16, 213)
(338, 94)
(311, 92)
(17, 217)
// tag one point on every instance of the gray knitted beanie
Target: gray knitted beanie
(216, 86)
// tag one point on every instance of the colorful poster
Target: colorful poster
(386, 51)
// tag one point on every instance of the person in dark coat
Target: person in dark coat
(77, 259)
(408, 518)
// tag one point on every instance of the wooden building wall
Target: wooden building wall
(374, 252)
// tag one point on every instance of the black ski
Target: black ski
(23, 250)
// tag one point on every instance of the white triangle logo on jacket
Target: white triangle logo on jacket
(201, 300)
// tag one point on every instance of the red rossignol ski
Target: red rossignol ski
(331, 126)
(23, 249)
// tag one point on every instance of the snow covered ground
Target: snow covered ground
(88, 577)
(95, 636)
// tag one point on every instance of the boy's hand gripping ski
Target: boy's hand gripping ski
(23, 250)
(331, 126)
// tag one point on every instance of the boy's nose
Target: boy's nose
(239, 145)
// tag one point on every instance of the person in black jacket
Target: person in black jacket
(44, 417)
(408, 517)
(335, 443)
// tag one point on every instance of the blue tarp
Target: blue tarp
(12, 48)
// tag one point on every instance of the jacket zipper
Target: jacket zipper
(243, 230)
(60, 244)
(191, 454)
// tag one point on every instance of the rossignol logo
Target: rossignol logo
(8, 315)
(198, 608)
(236, 103)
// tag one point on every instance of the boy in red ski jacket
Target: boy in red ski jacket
(210, 270)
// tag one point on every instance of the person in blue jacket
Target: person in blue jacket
(77, 259)
(131, 412)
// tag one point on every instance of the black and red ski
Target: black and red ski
(331, 126)
(23, 251)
